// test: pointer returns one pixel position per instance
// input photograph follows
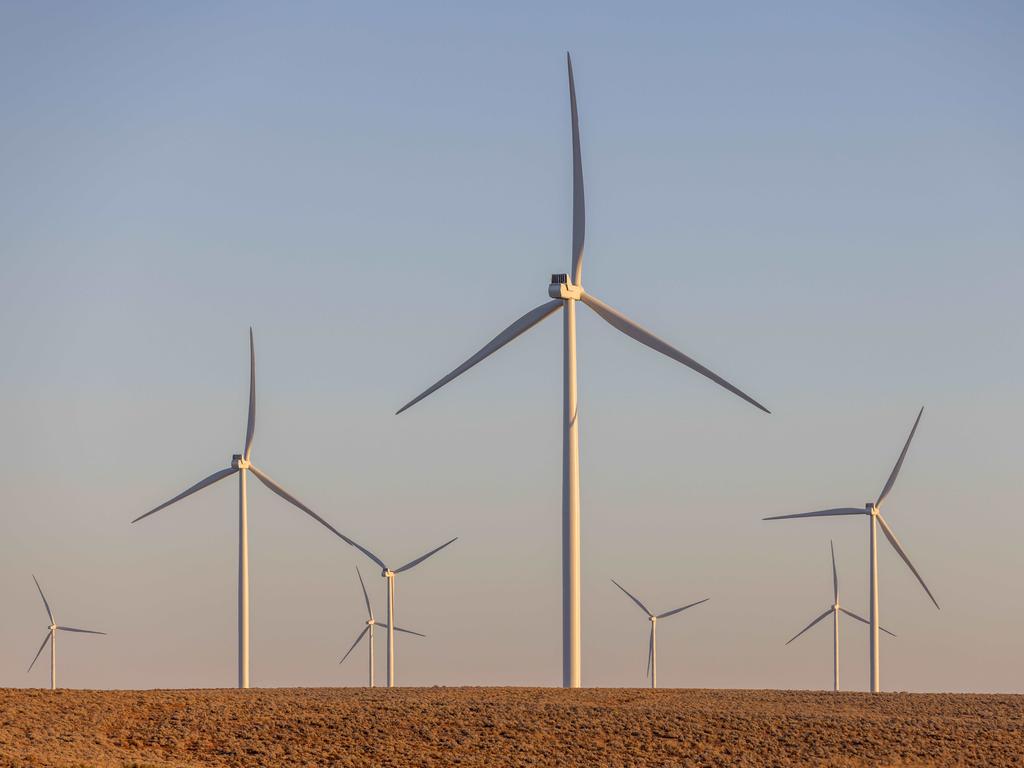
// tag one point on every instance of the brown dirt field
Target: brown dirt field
(506, 726)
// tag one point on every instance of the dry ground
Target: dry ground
(506, 726)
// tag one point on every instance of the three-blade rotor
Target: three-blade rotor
(615, 318)
(874, 509)
(246, 465)
(54, 626)
(835, 606)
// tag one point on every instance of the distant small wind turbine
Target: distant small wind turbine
(240, 463)
(875, 519)
(370, 624)
(566, 291)
(51, 638)
(652, 646)
(835, 610)
(389, 574)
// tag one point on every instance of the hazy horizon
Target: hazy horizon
(822, 205)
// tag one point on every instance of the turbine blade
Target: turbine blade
(215, 477)
(619, 321)
(579, 213)
(896, 545)
(421, 558)
(408, 631)
(399, 629)
(48, 611)
(835, 576)
(45, 641)
(678, 610)
(794, 637)
(899, 463)
(265, 479)
(650, 651)
(520, 326)
(643, 607)
(250, 427)
(853, 615)
(85, 631)
(353, 646)
(366, 597)
(821, 513)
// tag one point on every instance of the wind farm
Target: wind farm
(810, 215)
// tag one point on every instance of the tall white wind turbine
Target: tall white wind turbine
(652, 645)
(241, 464)
(565, 291)
(389, 574)
(368, 629)
(875, 519)
(835, 609)
(51, 638)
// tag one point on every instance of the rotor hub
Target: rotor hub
(240, 462)
(562, 288)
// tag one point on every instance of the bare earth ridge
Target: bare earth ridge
(506, 726)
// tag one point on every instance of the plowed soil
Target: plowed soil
(506, 726)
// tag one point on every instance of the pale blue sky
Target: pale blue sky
(821, 203)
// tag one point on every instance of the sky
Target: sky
(819, 202)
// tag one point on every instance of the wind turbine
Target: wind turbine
(241, 464)
(370, 624)
(51, 638)
(835, 609)
(652, 646)
(389, 574)
(872, 510)
(565, 291)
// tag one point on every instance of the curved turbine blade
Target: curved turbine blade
(794, 637)
(86, 631)
(643, 607)
(263, 478)
(853, 615)
(677, 610)
(899, 463)
(366, 597)
(215, 477)
(821, 513)
(45, 641)
(353, 646)
(48, 611)
(520, 326)
(650, 652)
(399, 629)
(421, 558)
(835, 576)
(579, 213)
(250, 426)
(619, 321)
(896, 545)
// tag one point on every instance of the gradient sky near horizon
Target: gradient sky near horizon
(822, 203)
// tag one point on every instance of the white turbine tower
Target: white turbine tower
(835, 609)
(389, 574)
(566, 290)
(652, 646)
(51, 638)
(241, 464)
(370, 624)
(875, 519)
